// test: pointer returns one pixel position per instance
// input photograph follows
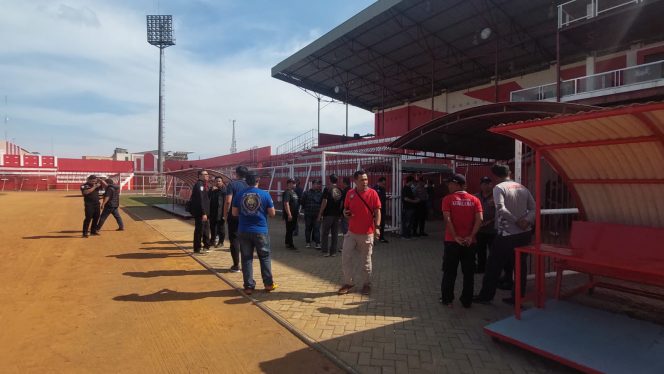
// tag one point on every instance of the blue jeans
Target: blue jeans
(261, 243)
(311, 228)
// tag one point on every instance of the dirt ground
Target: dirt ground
(123, 302)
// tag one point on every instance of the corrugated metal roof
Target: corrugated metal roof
(612, 159)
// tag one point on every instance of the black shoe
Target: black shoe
(424, 234)
(235, 269)
(95, 233)
(480, 300)
(85, 236)
(509, 300)
(197, 251)
(506, 286)
(445, 303)
(120, 229)
(382, 240)
(467, 305)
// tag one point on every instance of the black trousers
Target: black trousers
(453, 255)
(290, 229)
(217, 228)
(108, 211)
(421, 213)
(407, 222)
(484, 243)
(201, 233)
(234, 244)
(502, 254)
(383, 218)
(91, 219)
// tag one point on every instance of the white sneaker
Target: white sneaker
(308, 245)
(317, 246)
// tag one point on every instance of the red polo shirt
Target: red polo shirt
(462, 207)
(361, 220)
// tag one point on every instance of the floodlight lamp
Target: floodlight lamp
(160, 30)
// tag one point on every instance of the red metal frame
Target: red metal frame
(617, 181)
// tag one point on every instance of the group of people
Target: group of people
(481, 231)
(416, 197)
(101, 198)
(499, 218)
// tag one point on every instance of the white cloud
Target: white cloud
(98, 49)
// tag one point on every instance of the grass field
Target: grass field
(130, 200)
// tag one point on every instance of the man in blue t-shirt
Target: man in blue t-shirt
(252, 207)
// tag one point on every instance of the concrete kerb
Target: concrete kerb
(293, 330)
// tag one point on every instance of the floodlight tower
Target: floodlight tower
(233, 142)
(160, 35)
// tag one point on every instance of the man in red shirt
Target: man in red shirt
(463, 217)
(362, 208)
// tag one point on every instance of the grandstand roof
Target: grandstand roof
(398, 51)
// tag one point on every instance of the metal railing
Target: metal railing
(644, 73)
(299, 143)
(579, 10)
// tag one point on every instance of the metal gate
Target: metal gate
(344, 164)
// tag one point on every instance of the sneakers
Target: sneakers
(345, 289)
(120, 229)
(318, 246)
(333, 255)
(308, 245)
(248, 291)
(95, 233)
(235, 269)
(383, 240)
(85, 236)
(326, 254)
(366, 289)
(271, 287)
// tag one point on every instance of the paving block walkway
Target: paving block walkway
(400, 328)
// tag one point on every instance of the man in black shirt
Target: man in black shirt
(235, 188)
(330, 211)
(200, 210)
(487, 231)
(344, 220)
(90, 192)
(299, 191)
(291, 211)
(110, 205)
(217, 196)
(382, 195)
(409, 206)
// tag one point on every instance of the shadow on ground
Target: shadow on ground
(165, 273)
(141, 255)
(170, 295)
(51, 236)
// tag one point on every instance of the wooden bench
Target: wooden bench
(629, 253)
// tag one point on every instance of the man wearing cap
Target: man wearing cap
(110, 205)
(90, 192)
(463, 216)
(311, 202)
(487, 230)
(290, 212)
(200, 210)
(234, 188)
(515, 215)
(362, 208)
(252, 207)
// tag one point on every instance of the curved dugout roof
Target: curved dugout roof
(463, 133)
(612, 160)
(190, 176)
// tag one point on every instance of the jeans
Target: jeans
(330, 226)
(501, 254)
(484, 242)
(290, 228)
(344, 225)
(91, 219)
(234, 245)
(261, 243)
(106, 212)
(201, 233)
(311, 229)
(455, 253)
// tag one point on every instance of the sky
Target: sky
(79, 77)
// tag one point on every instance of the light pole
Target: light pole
(160, 35)
(336, 91)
